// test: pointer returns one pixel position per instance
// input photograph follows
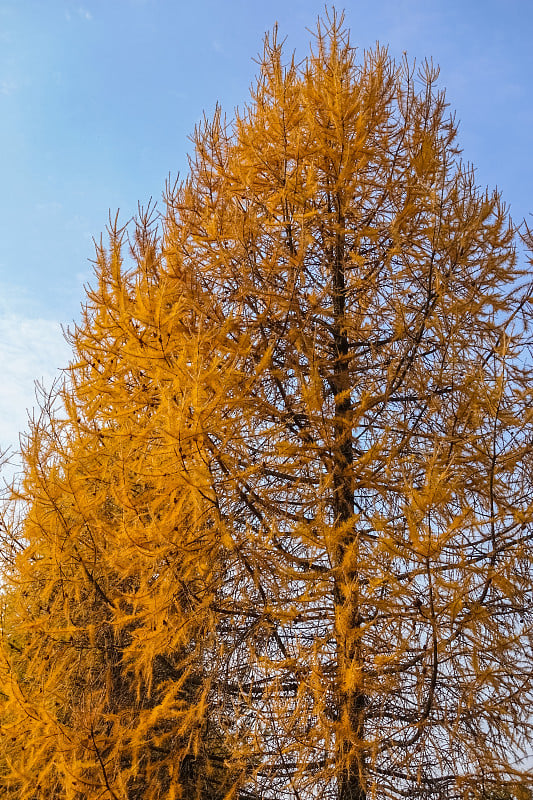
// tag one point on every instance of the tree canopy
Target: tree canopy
(275, 538)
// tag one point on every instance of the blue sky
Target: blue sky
(98, 99)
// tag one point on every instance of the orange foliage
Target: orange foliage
(278, 537)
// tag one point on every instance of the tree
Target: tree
(285, 521)
(108, 687)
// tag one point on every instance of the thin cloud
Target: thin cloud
(82, 12)
(30, 349)
(8, 86)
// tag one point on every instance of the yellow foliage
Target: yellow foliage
(277, 532)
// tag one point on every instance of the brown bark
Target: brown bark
(351, 699)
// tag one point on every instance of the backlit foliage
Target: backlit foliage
(278, 537)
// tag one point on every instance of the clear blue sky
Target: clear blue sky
(98, 98)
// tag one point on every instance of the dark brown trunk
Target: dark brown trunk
(350, 695)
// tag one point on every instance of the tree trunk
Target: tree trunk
(350, 689)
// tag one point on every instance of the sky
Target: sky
(98, 99)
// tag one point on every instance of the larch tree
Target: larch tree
(108, 639)
(278, 541)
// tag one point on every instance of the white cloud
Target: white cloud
(52, 207)
(81, 12)
(8, 86)
(31, 348)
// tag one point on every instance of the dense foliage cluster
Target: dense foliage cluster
(275, 539)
